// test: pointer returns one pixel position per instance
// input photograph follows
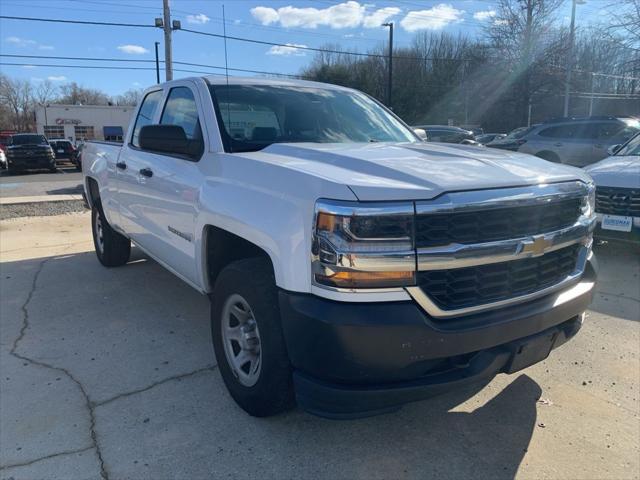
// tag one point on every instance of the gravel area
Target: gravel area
(40, 209)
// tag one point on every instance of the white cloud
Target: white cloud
(434, 18)
(484, 15)
(56, 78)
(379, 17)
(289, 49)
(265, 15)
(501, 22)
(45, 47)
(199, 19)
(29, 67)
(343, 15)
(21, 42)
(133, 49)
(136, 84)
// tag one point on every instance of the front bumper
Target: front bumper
(31, 163)
(358, 359)
(613, 235)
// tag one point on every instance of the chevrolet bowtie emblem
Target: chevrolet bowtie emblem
(536, 246)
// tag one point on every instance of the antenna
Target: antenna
(226, 73)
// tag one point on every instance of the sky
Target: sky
(349, 25)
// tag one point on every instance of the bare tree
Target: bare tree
(74, 94)
(130, 97)
(45, 92)
(17, 95)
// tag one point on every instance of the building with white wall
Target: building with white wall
(83, 122)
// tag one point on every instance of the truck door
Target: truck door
(129, 184)
(163, 198)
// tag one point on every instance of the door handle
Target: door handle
(147, 172)
(121, 165)
(557, 144)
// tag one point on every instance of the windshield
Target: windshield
(256, 116)
(518, 133)
(632, 147)
(28, 139)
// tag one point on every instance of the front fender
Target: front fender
(271, 207)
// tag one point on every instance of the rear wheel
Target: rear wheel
(247, 338)
(112, 248)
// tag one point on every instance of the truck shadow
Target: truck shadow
(151, 327)
(618, 288)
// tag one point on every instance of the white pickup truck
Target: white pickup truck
(351, 266)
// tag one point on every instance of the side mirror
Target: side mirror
(421, 132)
(164, 138)
(613, 149)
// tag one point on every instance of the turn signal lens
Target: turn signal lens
(350, 279)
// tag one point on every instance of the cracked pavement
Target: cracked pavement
(109, 374)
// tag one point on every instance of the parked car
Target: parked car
(351, 267)
(617, 180)
(512, 141)
(30, 151)
(3, 159)
(64, 151)
(489, 137)
(446, 134)
(578, 141)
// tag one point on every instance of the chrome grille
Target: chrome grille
(465, 287)
(495, 224)
(618, 201)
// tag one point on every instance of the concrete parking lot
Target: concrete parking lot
(109, 373)
(66, 181)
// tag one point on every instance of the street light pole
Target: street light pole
(569, 66)
(157, 63)
(390, 62)
(168, 56)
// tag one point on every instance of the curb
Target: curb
(39, 199)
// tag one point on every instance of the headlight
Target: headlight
(588, 208)
(363, 246)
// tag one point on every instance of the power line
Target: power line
(97, 59)
(100, 67)
(80, 22)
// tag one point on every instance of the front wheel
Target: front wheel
(247, 338)
(112, 248)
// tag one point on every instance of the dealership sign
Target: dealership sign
(67, 121)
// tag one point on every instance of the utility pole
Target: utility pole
(168, 55)
(569, 66)
(390, 62)
(157, 63)
(592, 93)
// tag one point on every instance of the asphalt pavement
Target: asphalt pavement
(65, 181)
(109, 373)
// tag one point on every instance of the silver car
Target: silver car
(578, 141)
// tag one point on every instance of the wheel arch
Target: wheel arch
(220, 247)
(92, 191)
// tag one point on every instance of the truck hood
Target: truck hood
(616, 171)
(413, 171)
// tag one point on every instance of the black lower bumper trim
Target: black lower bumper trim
(349, 401)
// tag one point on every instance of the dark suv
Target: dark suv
(578, 141)
(64, 151)
(30, 151)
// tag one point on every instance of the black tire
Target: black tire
(549, 156)
(253, 280)
(114, 249)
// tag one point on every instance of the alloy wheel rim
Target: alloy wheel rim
(99, 233)
(241, 340)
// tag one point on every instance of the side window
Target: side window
(609, 129)
(181, 110)
(561, 131)
(145, 114)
